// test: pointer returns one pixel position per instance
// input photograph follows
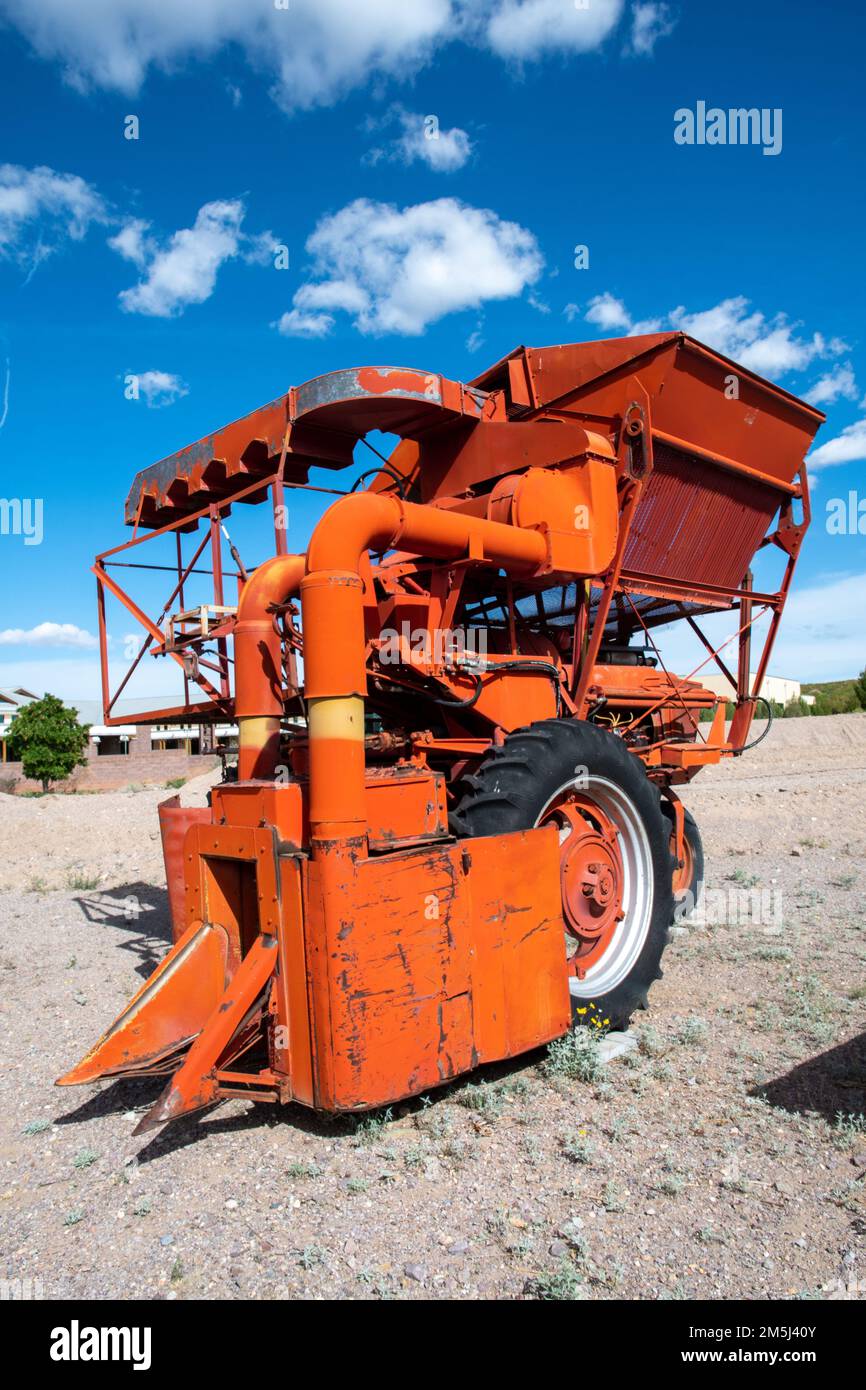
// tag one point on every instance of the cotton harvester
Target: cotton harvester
(454, 827)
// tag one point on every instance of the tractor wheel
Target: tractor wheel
(615, 860)
(688, 878)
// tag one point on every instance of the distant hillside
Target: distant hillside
(832, 697)
(832, 689)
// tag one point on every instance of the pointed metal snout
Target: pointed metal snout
(166, 1014)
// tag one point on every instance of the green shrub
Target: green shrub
(575, 1056)
(49, 740)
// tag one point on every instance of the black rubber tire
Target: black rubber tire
(695, 886)
(518, 779)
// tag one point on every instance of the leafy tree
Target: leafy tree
(860, 688)
(49, 740)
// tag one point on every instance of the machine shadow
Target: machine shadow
(124, 1093)
(832, 1082)
(139, 1093)
(180, 1134)
(142, 910)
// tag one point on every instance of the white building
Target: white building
(779, 689)
(10, 703)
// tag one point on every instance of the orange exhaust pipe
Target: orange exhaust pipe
(258, 665)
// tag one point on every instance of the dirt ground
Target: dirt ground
(710, 1163)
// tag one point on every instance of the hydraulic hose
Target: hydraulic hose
(539, 667)
(759, 700)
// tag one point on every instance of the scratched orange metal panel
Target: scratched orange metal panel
(639, 683)
(388, 956)
(511, 701)
(213, 852)
(520, 992)
(214, 463)
(402, 803)
(465, 455)
(398, 1004)
(292, 1055)
(248, 804)
(174, 822)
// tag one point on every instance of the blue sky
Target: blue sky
(303, 126)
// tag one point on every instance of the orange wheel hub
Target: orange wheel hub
(591, 874)
(682, 876)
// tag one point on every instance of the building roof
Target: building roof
(16, 695)
(88, 711)
(91, 711)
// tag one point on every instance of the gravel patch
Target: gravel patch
(708, 1162)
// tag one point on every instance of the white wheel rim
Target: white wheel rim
(631, 932)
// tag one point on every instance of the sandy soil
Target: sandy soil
(711, 1163)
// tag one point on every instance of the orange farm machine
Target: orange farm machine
(453, 829)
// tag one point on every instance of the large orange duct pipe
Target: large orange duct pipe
(334, 644)
(258, 664)
(333, 620)
(371, 521)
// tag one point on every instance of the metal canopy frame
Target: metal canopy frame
(217, 704)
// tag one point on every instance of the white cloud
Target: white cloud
(422, 139)
(835, 384)
(527, 29)
(160, 388)
(476, 338)
(40, 208)
(847, 447)
(184, 271)
(816, 640)
(770, 347)
(4, 408)
(312, 317)
(78, 678)
(132, 241)
(571, 311)
(314, 51)
(47, 635)
(609, 313)
(294, 323)
(650, 22)
(259, 248)
(396, 271)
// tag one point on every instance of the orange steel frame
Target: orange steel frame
(335, 944)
